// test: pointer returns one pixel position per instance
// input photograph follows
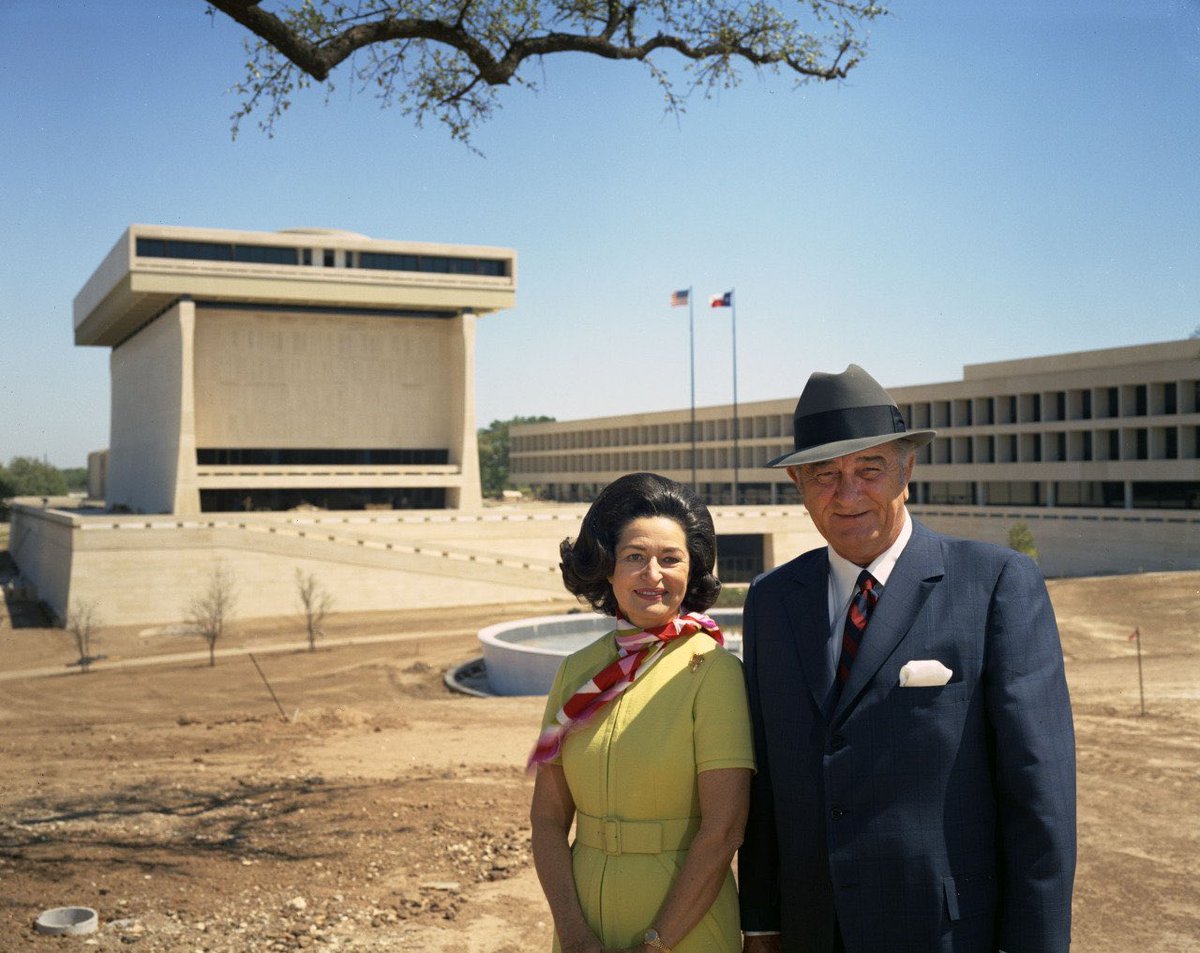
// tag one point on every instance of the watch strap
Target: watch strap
(651, 939)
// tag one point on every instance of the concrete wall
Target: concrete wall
(464, 446)
(268, 379)
(43, 540)
(1079, 542)
(152, 434)
(97, 474)
(144, 570)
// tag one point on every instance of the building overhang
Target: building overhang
(129, 289)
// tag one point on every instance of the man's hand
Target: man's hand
(763, 943)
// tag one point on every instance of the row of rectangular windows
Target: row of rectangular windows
(318, 456)
(1082, 493)
(1101, 403)
(274, 500)
(348, 258)
(1164, 494)
(1140, 443)
(1086, 403)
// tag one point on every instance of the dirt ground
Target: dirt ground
(382, 812)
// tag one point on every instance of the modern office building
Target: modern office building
(1093, 437)
(1112, 428)
(269, 371)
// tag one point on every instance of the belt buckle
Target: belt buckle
(612, 835)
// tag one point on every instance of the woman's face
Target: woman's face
(650, 577)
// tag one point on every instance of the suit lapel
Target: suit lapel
(917, 571)
(808, 600)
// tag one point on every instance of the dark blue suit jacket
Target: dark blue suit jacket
(929, 819)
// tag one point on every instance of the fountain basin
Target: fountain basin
(522, 657)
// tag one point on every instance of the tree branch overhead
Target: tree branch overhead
(448, 59)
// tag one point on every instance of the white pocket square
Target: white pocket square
(923, 673)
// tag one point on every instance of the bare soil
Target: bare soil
(366, 808)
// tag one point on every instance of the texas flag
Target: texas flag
(679, 298)
(721, 301)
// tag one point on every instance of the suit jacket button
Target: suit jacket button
(838, 812)
(837, 743)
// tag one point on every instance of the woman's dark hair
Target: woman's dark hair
(589, 559)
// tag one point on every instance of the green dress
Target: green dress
(633, 772)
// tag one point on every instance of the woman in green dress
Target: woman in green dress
(646, 741)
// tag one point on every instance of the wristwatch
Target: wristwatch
(651, 939)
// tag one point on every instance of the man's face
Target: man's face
(857, 501)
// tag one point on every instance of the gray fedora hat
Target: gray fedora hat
(844, 413)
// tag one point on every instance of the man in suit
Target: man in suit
(916, 756)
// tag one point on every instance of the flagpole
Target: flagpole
(692, 352)
(733, 319)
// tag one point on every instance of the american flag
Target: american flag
(679, 298)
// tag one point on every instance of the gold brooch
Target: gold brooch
(694, 664)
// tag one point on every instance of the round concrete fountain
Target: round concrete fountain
(520, 658)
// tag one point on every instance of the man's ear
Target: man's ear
(794, 474)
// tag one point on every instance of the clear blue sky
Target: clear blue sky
(997, 180)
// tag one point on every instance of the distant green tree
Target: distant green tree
(76, 478)
(493, 453)
(1020, 538)
(26, 476)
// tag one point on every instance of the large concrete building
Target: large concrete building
(275, 370)
(295, 401)
(1077, 445)
(303, 401)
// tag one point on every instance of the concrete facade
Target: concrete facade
(268, 371)
(1111, 428)
(152, 439)
(1096, 451)
(144, 570)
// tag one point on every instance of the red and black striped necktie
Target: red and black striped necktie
(861, 605)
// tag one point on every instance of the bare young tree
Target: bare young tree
(447, 58)
(82, 622)
(315, 601)
(210, 611)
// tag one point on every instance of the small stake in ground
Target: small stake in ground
(282, 713)
(1136, 636)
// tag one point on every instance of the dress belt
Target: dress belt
(616, 836)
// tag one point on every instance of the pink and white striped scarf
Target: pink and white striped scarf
(637, 650)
